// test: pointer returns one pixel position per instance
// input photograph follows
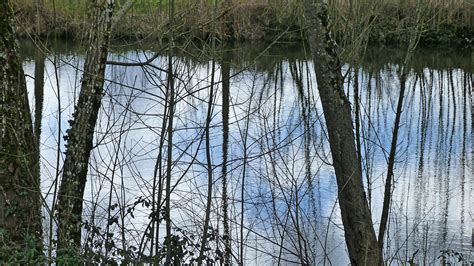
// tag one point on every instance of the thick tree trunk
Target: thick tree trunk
(80, 135)
(20, 198)
(356, 218)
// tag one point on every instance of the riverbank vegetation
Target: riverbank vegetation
(451, 22)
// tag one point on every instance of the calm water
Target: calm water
(276, 120)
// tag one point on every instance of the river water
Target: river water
(278, 159)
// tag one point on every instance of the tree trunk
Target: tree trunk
(209, 166)
(39, 94)
(225, 66)
(356, 218)
(391, 162)
(80, 134)
(20, 198)
(169, 162)
(228, 20)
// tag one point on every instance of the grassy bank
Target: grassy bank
(445, 22)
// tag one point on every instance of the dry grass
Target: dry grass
(255, 19)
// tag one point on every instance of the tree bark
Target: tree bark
(356, 218)
(121, 12)
(80, 134)
(39, 94)
(225, 66)
(20, 198)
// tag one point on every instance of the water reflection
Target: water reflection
(269, 147)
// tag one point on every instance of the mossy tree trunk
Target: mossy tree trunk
(80, 134)
(356, 217)
(20, 197)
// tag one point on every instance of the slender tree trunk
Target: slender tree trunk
(20, 198)
(225, 66)
(403, 73)
(39, 92)
(356, 218)
(158, 178)
(209, 167)
(391, 163)
(169, 162)
(228, 34)
(169, 165)
(80, 134)
(357, 116)
(40, 58)
(244, 135)
(228, 19)
(39, 17)
(157, 190)
(208, 153)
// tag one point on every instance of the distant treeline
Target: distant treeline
(445, 22)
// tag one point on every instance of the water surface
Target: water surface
(277, 149)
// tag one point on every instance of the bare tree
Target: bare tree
(356, 218)
(80, 134)
(403, 74)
